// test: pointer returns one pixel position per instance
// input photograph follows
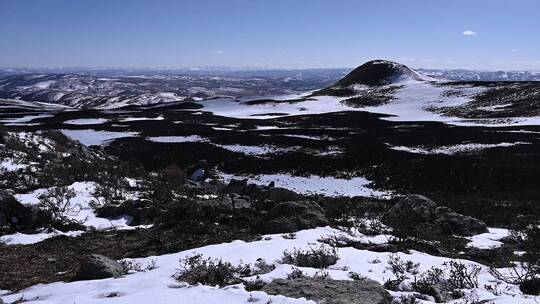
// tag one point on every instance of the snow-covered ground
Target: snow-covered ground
(24, 239)
(232, 108)
(80, 211)
(127, 119)
(456, 149)
(10, 165)
(91, 137)
(24, 119)
(177, 139)
(490, 239)
(413, 101)
(157, 285)
(329, 186)
(86, 121)
(254, 150)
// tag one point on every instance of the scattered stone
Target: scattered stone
(292, 216)
(94, 267)
(419, 212)
(325, 291)
(200, 171)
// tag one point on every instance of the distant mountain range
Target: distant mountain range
(469, 75)
(330, 74)
(113, 88)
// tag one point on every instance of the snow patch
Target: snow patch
(488, 240)
(86, 121)
(177, 139)
(456, 149)
(11, 166)
(312, 185)
(91, 137)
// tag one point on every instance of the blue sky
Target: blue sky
(474, 34)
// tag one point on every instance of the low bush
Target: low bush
(461, 276)
(402, 269)
(319, 257)
(295, 274)
(405, 300)
(197, 270)
(111, 189)
(530, 286)
(131, 266)
(57, 201)
(525, 273)
(355, 276)
(442, 284)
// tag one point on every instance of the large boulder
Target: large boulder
(292, 216)
(331, 291)
(18, 217)
(417, 212)
(95, 267)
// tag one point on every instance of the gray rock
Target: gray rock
(280, 195)
(292, 216)
(419, 212)
(240, 201)
(198, 175)
(331, 291)
(94, 267)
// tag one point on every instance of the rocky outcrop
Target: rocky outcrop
(141, 211)
(331, 291)
(18, 217)
(292, 216)
(417, 212)
(94, 267)
(270, 192)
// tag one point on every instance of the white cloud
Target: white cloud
(515, 50)
(469, 33)
(220, 52)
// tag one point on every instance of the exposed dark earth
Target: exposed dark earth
(474, 151)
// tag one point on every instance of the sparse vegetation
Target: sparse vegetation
(295, 274)
(461, 276)
(58, 202)
(196, 269)
(316, 257)
(131, 266)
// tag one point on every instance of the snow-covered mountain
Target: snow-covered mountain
(380, 72)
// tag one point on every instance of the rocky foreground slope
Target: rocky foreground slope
(95, 228)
